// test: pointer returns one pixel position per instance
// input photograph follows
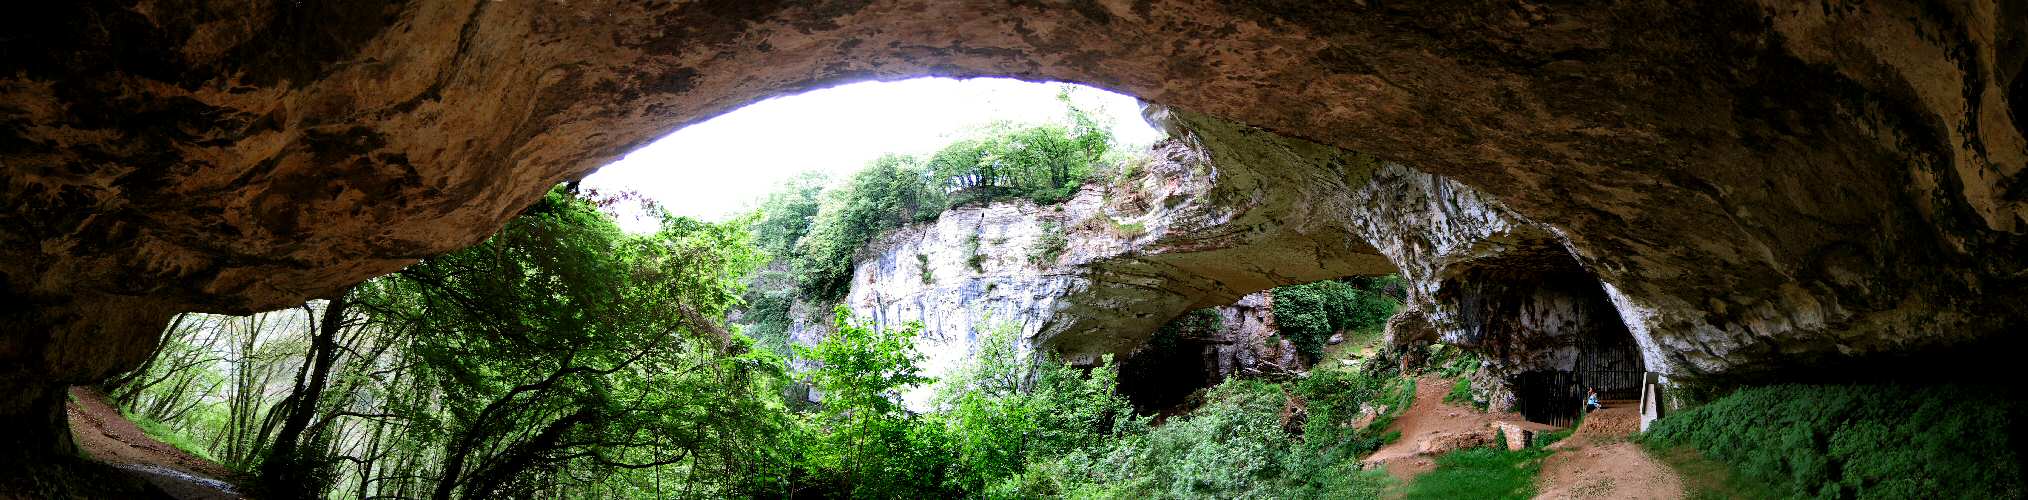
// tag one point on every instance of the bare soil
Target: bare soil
(106, 436)
(1597, 461)
(1429, 424)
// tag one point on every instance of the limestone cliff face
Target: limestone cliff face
(1759, 185)
(1130, 255)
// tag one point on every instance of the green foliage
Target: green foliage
(922, 263)
(1334, 398)
(1480, 473)
(1049, 246)
(999, 429)
(1707, 479)
(162, 432)
(1453, 362)
(1237, 445)
(784, 216)
(1045, 163)
(868, 445)
(974, 259)
(1309, 314)
(890, 192)
(782, 219)
(563, 336)
(1860, 441)
(1544, 439)
(1461, 394)
(1129, 230)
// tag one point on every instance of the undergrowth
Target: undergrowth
(1242, 443)
(1859, 441)
(1544, 439)
(167, 435)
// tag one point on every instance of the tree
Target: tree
(872, 447)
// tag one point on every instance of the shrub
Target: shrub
(1237, 445)
(1859, 441)
(1309, 314)
(1049, 246)
(974, 259)
(1128, 230)
(1461, 393)
(1544, 439)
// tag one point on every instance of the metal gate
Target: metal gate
(1614, 368)
(1549, 396)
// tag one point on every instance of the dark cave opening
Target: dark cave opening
(1547, 328)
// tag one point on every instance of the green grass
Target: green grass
(1706, 479)
(1461, 394)
(1543, 440)
(162, 432)
(1859, 441)
(1480, 473)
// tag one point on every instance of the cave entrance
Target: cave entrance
(1606, 360)
(1546, 327)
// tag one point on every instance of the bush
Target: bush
(1237, 445)
(974, 259)
(1309, 314)
(1461, 393)
(1859, 441)
(1049, 246)
(889, 193)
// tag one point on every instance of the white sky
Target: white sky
(722, 166)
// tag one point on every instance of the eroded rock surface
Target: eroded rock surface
(1759, 184)
(1182, 233)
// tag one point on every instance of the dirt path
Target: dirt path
(108, 437)
(1431, 426)
(1597, 461)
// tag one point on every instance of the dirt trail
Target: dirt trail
(108, 437)
(1597, 461)
(1431, 426)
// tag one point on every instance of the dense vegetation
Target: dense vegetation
(564, 358)
(1309, 314)
(1044, 163)
(1860, 441)
(559, 355)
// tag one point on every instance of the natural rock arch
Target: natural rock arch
(1752, 178)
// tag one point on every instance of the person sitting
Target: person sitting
(1591, 399)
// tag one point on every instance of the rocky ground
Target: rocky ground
(1431, 427)
(1596, 461)
(105, 435)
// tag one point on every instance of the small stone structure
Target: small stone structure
(1517, 436)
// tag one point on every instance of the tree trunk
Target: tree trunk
(286, 470)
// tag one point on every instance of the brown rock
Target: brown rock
(1755, 184)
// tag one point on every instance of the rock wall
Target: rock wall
(1135, 253)
(1206, 222)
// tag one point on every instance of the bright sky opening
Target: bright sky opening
(721, 167)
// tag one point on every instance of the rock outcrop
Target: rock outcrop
(1099, 273)
(1758, 184)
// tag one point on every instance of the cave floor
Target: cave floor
(1598, 460)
